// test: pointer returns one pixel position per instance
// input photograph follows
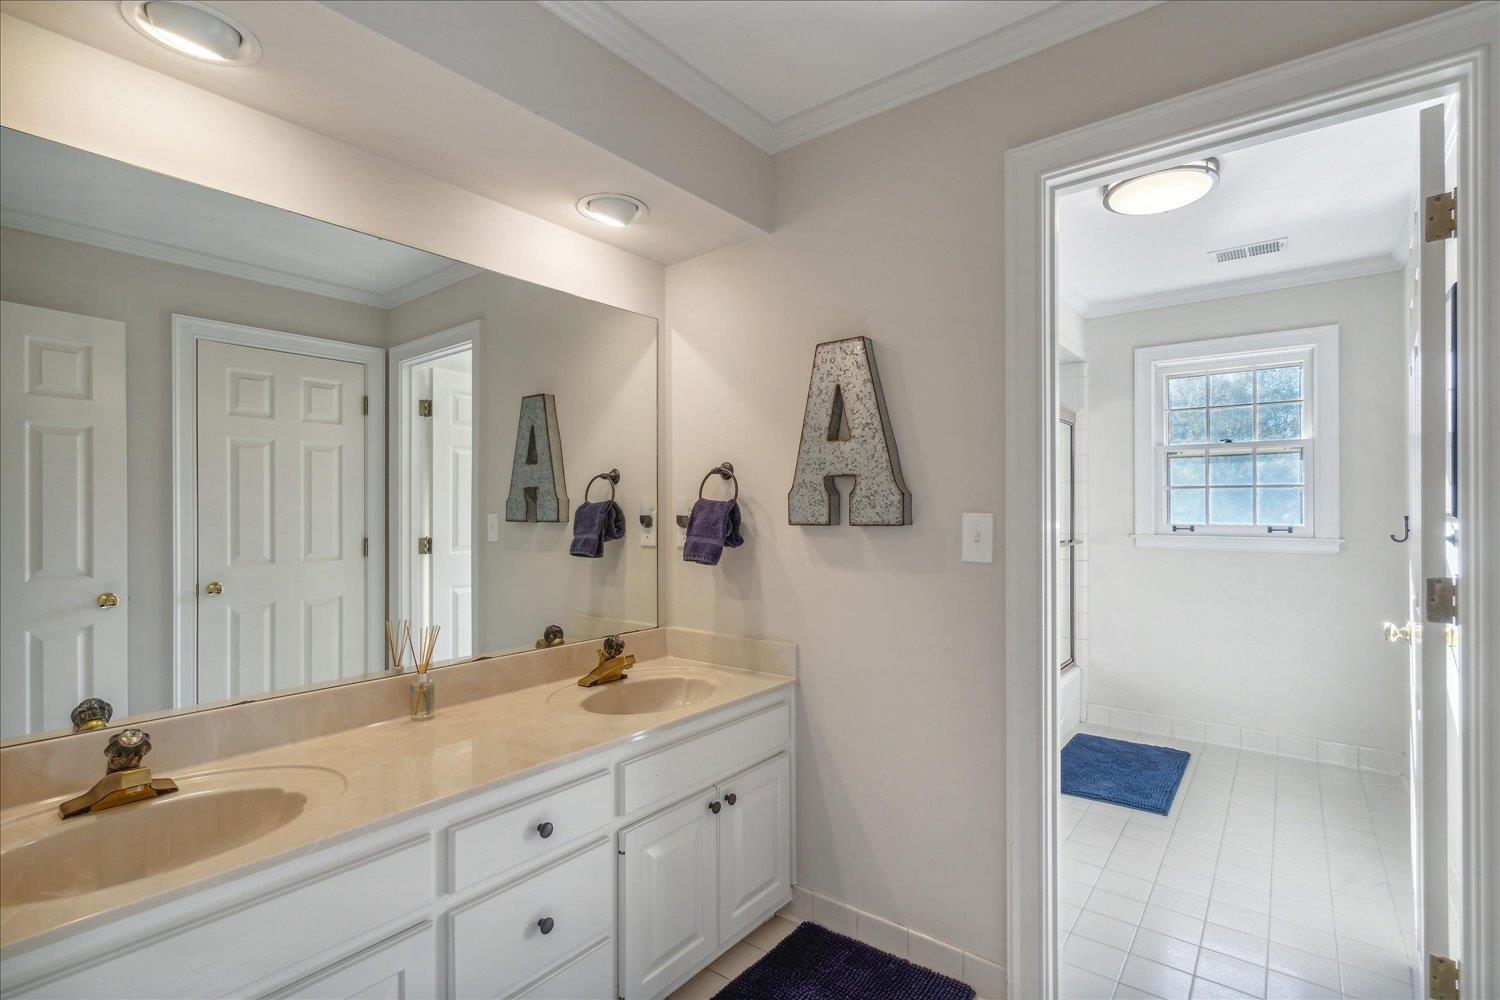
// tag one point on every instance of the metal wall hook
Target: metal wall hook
(612, 477)
(1405, 529)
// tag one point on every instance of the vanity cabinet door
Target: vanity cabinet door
(669, 895)
(755, 865)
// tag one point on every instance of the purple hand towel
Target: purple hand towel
(594, 524)
(713, 525)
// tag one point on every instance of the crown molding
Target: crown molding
(452, 273)
(620, 35)
(999, 48)
(137, 246)
(1363, 267)
(600, 22)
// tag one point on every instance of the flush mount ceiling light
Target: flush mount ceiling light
(1162, 190)
(193, 29)
(617, 210)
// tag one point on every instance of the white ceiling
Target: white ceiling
(780, 72)
(59, 191)
(1342, 195)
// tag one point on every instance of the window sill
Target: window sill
(1242, 543)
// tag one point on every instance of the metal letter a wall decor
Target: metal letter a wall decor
(846, 432)
(538, 488)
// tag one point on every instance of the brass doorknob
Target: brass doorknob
(1410, 632)
(214, 589)
(108, 600)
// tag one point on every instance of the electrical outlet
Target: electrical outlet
(979, 538)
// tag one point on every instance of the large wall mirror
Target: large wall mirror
(235, 441)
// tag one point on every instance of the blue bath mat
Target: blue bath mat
(814, 963)
(1127, 774)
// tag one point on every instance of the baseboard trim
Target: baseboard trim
(988, 978)
(1260, 740)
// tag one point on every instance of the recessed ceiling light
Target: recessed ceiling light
(617, 210)
(193, 29)
(1162, 190)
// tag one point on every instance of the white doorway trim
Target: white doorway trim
(403, 531)
(187, 331)
(1452, 53)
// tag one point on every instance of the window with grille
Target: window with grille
(1238, 435)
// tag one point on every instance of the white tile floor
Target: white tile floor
(736, 960)
(1271, 877)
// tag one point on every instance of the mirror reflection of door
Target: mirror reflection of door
(64, 617)
(281, 520)
(1067, 540)
(447, 484)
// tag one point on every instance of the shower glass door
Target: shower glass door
(1066, 540)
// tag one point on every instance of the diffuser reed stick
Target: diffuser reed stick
(397, 639)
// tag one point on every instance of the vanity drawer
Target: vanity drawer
(403, 967)
(496, 942)
(497, 841)
(590, 976)
(695, 762)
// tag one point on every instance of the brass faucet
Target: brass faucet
(124, 782)
(612, 665)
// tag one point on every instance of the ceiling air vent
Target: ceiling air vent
(1248, 250)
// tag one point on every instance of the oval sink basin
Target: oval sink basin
(211, 815)
(640, 696)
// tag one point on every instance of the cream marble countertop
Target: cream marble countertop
(356, 781)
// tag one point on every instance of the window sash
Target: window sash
(1163, 488)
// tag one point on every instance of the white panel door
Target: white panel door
(755, 849)
(62, 516)
(281, 512)
(1437, 805)
(668, 895)
(452, 511)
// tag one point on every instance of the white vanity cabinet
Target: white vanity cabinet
(697, 876)
(604, 876)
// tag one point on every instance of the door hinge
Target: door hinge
(1442, 216)
(1442, 599)
(1442, 978)
(365, 548)
(424, 407)
(364, 406)
(424, 545)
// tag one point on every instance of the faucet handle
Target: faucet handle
(91, 713)
(126, 749)
(613, 646)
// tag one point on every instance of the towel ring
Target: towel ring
(724, 471)
(612, 477)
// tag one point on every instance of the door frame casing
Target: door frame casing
(187, 331)
(1452, 53)
(403, 360)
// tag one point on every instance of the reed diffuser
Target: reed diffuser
(423, 690)
(397, 639)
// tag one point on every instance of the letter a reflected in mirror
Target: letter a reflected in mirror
(538, 488)
(846, 432)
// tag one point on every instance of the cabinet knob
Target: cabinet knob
(731, 798)
(544, 829)
(715, 806)
(545, 925)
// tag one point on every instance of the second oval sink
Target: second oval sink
(640, 696)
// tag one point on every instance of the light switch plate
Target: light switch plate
(979, 538)
(492, 528)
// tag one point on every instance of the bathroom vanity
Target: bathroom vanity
(553, 841)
